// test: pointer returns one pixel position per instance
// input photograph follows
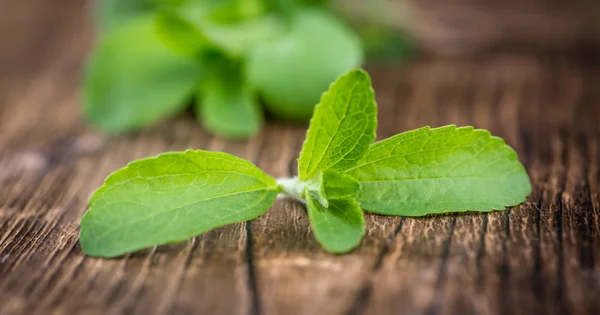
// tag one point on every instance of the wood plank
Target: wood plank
(539, 257)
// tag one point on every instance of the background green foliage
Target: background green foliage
(231, 57)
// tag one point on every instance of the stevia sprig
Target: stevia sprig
(175, 196)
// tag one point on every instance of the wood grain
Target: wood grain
(540, 257)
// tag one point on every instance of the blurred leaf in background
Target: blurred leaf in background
(110, 13)
(383, 45)
(192, 25)
(292, 71)
(152, 56)
(133, 80)
(225, 104)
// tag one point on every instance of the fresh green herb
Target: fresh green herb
(342, 128)
(225, 105)
(112, 13)
(291, 71)
(439, 170)
(125, 87)
(339, 227)
(176, 196)
(177, 33)
(153, 56)
(172, 197)
(192, 24)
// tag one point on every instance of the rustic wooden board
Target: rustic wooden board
(539, 257)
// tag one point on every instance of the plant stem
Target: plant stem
(291, 187)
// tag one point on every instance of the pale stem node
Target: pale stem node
(291, 187)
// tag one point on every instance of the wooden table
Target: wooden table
(542, 257)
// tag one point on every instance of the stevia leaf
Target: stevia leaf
(111, 13)
(338, 228)
(171, 198)
(133, 80)
(291, 71)
(236, 39)
(440, 170)
(337, 185)
(329, 185)
(316, 189)
(342, 127)
(191, 25)
(178, 34)
(227, 107)
(236, 10)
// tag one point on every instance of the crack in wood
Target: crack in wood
(255, 304)
(435, 307)
(481, 252)
(366, 289)
(560, 270)
(504, 269)
(252, 282)
(537, 284)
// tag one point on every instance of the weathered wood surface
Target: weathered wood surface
(542, 257)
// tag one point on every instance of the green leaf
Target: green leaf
(315, 188)
(171, 198)
(338, 185)
(237, 10)
(440, 170)
(293, 70)
(179, 34)
(338, 228)
(342, 127)
(227, 107)
(190, 27)
(111, 13)
(384, 45)
(237, 39)
(133, 80)
(329, 185)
